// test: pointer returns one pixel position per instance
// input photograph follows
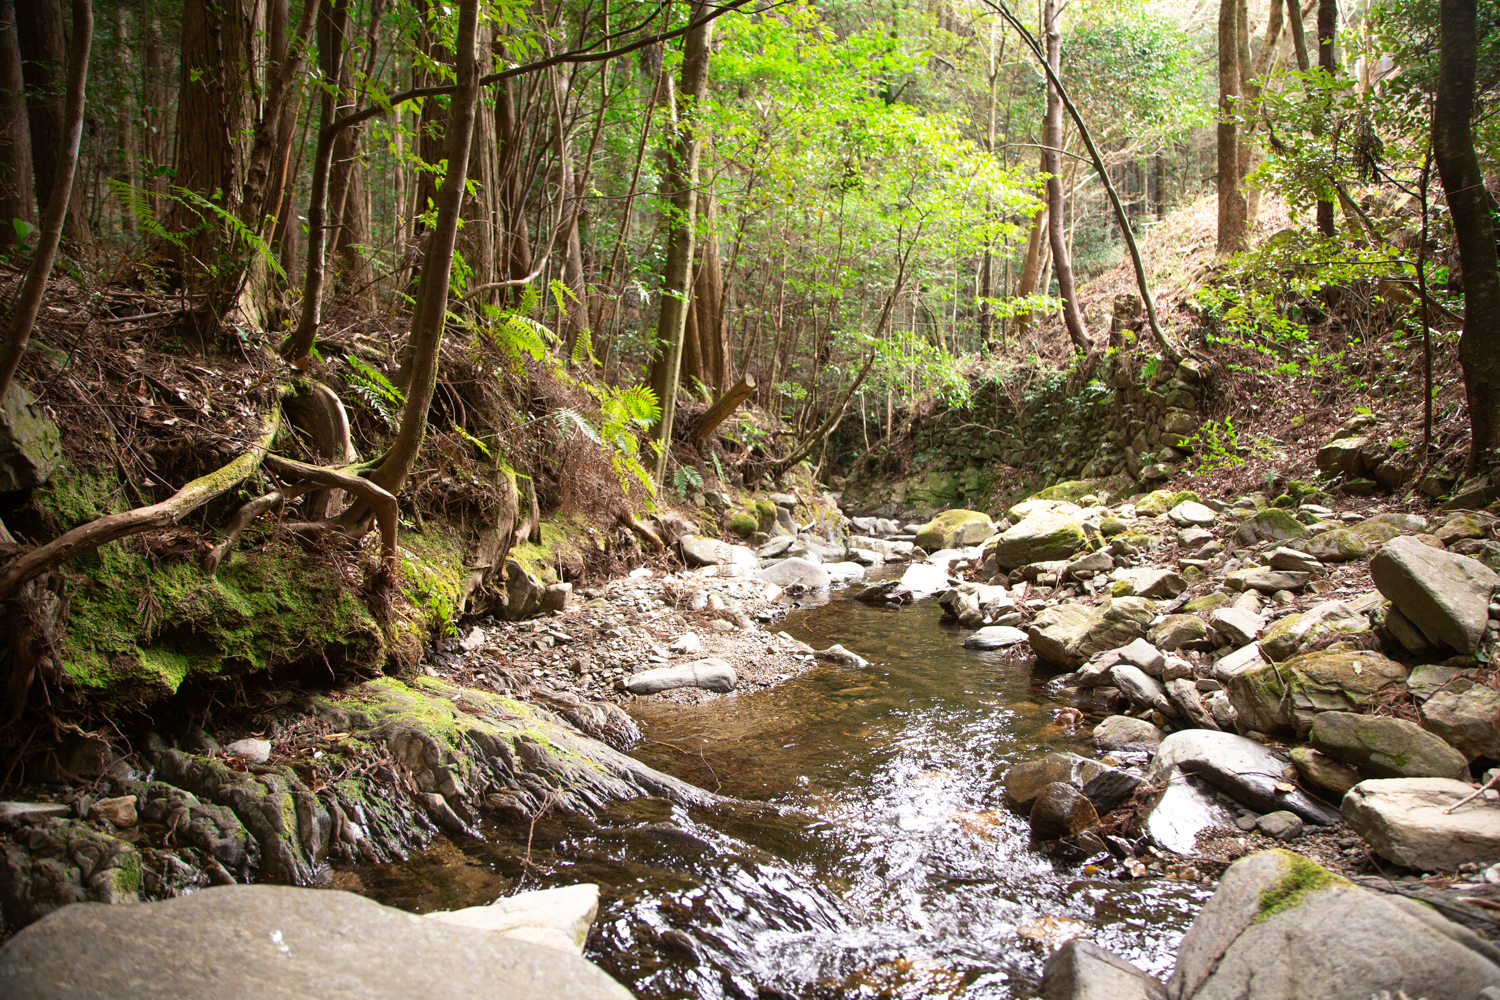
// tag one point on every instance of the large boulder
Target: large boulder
(1345, 456)
(1270, 525)
(1321, 621)
(796, 572)
(1068, 634)
(558, 918)
(1185, 808)
(30, 443)
(924, 580)
(1081, 970)
(1466, 714)
(1338, 545)
(1288, 696)
(710, 673)
(278, 941)
(954, 529)
(1281, 927)
(1444, 594)
(1121, 732)
(1061, 810)
(1406, 821)
(699, 551)
(1045, 533)
(1242, 768)
(1386, 748)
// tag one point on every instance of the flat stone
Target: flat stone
(1280, 825)
(1428, 679)
(1386, 748)
(1081, 970)
(254, 751)
(1466, 714)
(1444, 594)
(1194, 538)
(1238, 625)
(995, 637)
(1237, 662)
(1157, 584)
(1240, 767)
(1061, 810)
(1270, 581)
(1144, 656)
(1190, 513)
(1322, 771)
(796, 572)
(710, 673)
(277, 941)
(776, 547)
(1024, 782)
(1290, 695)
(697, 551)
(1297, 562)
(1185, 808)
(1069, 634)
(557, 918)
(1180, 632)
(1403, 819)
(924, 580)
(20, 813)
(1121, 732)
(1143, 690)
(1288, 635)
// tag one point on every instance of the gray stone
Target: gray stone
(1111, 788)
(1143, 655)
(558, 918)
(1081, 970)
(796, 572)
(838, 655)
(1337, 545)
(688, 643)
(995, 637)
(1061, 810)
(1386, 748)
(1290, 695)
(1428, 679)
(1184, 694)
(1326, 618)
(698, 551)
(1191, 513)
(1242, 659)
(710, 673)
(1121, 732)
(1046, 532)
(1280, 825)
(275, 941)
(1069, 634)
(1404, 820)
(924, 580)
(1325, 772)
(1269, 525)
(1270, 581)
(775, 547)
(1180, 632)
(1241, 768)
(1143, 690)
(1024, 782)
(1281, 928)
(254, 751)
(1157, 584)
(556, 597)
(1466, 714)
(20, 813)
(1238, 625)
(1444, 594)
(1297, 562)
(30, 443)
(1186, 807)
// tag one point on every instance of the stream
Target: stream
(868, 852)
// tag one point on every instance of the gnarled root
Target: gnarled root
(317, 411)
(642, 532)
(242, 519)
(376, 499)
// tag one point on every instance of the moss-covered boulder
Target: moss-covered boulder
(1066, 635)
(1312, 627)
(1105, 489)
(1338, 545)
(954, 528)
(1386, 748)
(1181, 632)
(1269, 525)
(1043, 533)
(1288, 696)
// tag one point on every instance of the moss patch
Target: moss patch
(743, 523)
(1302, 877)
(565, 539)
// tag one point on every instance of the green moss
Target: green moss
(743, 523)
(1109, 527)
(1284, 501)
(129, 877)
(766, 510)
(1156, 503)
(73, 496)
(1302, 878)
(565, 538)
(1183, 496)
(433, 576)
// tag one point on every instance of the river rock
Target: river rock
(1403, 819)
(1386, 748)
(1158, 584)
(995, 637)
(1240, 767)
(710, 673)
(775, 547)
(118, 811)
(1337, 546)
(1081, 970)
(1061, 810)
(1272, 697)
(924, 580)
(1185, 808)
(277, 941)
(1237, 625)
(1280, 825)
(1185, 695)
(1295, 561)
(1192, 514)
(1143, 655)
(1024, 782)
(21, 813)
(1322, 771)
(30, 443)
(1121, 732)
(557, 918)
(951, 529)
(1466, 714)
(1143, 690)
(1326, 618)
(796, 572)
(1444, 594)
(1280, 927)
(1269, 525)
(1180, 632)
(844, 572)
(1068, 634)
(698, 551)
(253, 751)
(1465, 524)
(1045, 533)
(1270, 581)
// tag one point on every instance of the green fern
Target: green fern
(473, 440)
(686, 480)
(376, 391)
(567, 417)
(246, 235)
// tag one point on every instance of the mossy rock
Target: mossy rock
(1207, 602)
(565, 541)
(742, 523)
(1272, 698)
(1180, 632)
(1302, 878)
(1076, 489)
(1109, 527)
(941, 531)
(1269, 525)
(1157, 502)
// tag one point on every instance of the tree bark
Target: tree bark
(723, 407)
(1463, 184)
(1031, 268)
(15, 137)
(1052, 138)
(1328, 19)
(682, 180)
(1299, 36)
(44, 54)
(1232, 207)
(29, 302)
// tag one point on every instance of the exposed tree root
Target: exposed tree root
(375, 498)
(723, 407)
(242, 519)
(642, 532)
(317, 411)
(87, 537)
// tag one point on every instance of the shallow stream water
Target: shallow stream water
(866, 852)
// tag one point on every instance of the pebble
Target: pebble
(254, 751)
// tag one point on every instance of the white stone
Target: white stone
(558, 918)
(710, 673)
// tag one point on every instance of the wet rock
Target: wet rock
(1024, 782)
(49, 866)
(1280, 927)
(1280, 825)
(1111, 788)
(213, 829)
(30, 443)
(796, 572)
(1466, 714)
(1143, 690)
(1061, 810)
(254, 751)
(556, 918)
(1323, 620)
(265, 941)
(1322, 771)
(839, 656)
(995, 637)
(923, 580)
(710, 673)
(1186, 807)
(1237, 625)
(1121, 732)
(1445, 595)
(1081, 970)
(1404, 820)
(1180, 632)
(1288, 696)
(1241, 768)
(1068, 634)
(1269, 525)
(119, 811)
(1386, 748)
(844, 572)
(1184, 694)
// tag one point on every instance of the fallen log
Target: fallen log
(723, 407)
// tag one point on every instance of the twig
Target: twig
(1474, 794)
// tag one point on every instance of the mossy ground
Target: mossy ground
(566, 540)
(1302, 877)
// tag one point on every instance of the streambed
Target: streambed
(868, 852)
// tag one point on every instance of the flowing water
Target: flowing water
(867, 852)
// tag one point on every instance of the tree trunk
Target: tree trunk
(1052, 138)
(1463, 183)
(431, 308)
(514, 253)
(15, 137)
(1031, 268)
(29, 302)
(1328, 19)
(44, 54)
(1299, 36)
(574, 316)
(154, 137)
(125, 118)
(682, 180)
(1232, 208)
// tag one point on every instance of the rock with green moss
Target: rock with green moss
(1322, 771)
(1066, 635)
(1313, 627)
(1282, 927)
(1104, 489)
(1337, 545)
(54, 863)
(1385, 747)
(1207, 602)
(1109, 527)
(742, 523)
(1273, 697)
(1269, 525)
(1181, 632)
(955, 528)
(1157, 503)
(1041, 535)
(30, 443)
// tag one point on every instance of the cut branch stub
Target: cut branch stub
(723, 407)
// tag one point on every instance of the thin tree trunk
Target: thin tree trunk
(154, 116)
(683, 180)
(1328, 19)
(1299, 36)
(574, 318)
(125, 118)
(1463, 183)
(44, 53)
(1232, 208)
(15, 138)
(1052, 135)
(29, 303)
(1031, 269)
